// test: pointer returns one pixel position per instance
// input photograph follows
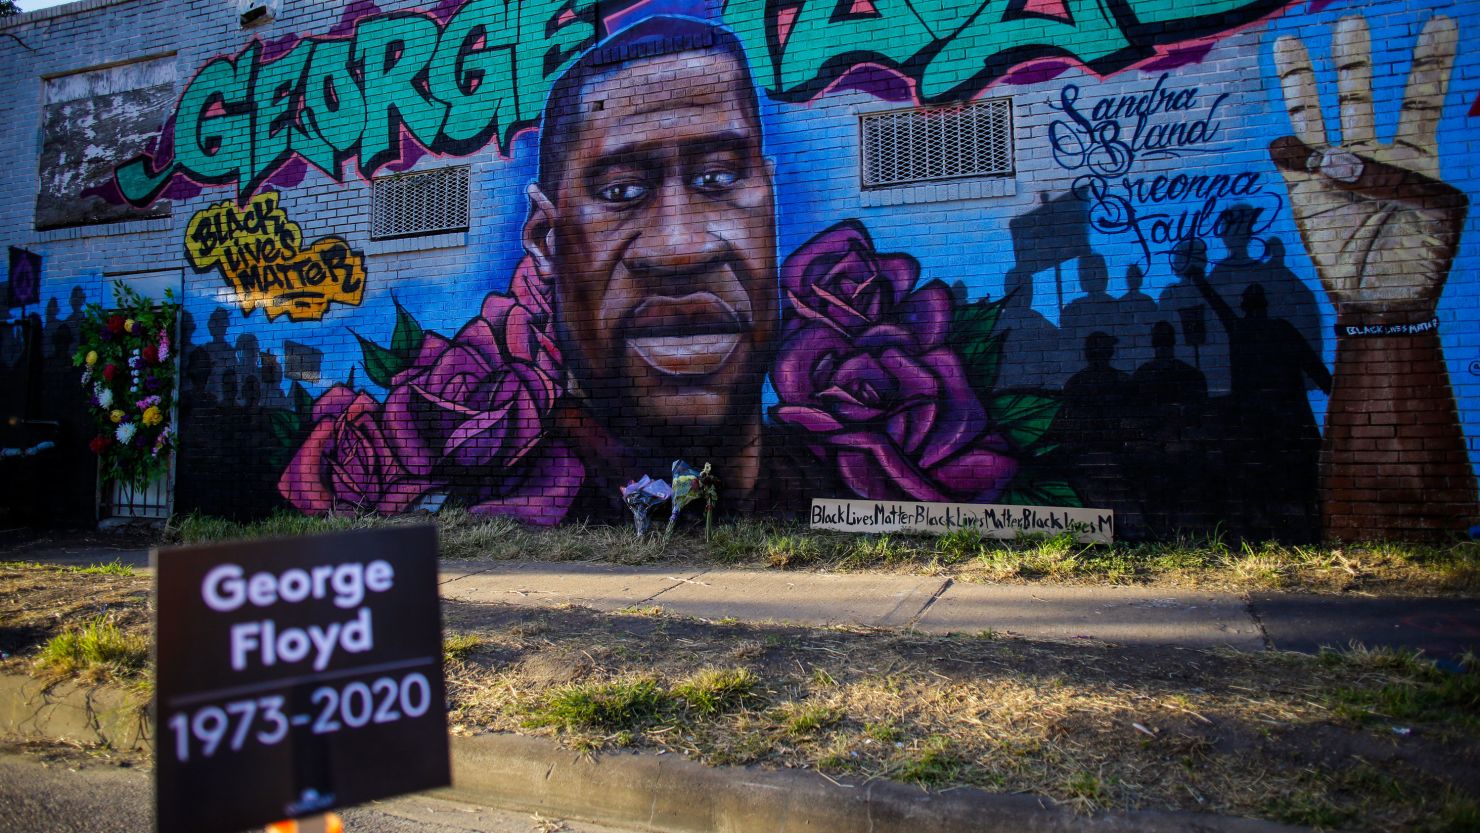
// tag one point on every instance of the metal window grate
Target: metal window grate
(936, 143)
(427, 202)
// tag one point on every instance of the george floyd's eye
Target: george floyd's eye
(623, 192)
(715, 179)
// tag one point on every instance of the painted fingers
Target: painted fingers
(1428, 81)
(1298, 83)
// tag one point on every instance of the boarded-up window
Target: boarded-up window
(93, 121)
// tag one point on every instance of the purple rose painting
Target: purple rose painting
(867, 377)
(837, 279)
(884, 380)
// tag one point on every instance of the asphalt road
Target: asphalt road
(59, 790)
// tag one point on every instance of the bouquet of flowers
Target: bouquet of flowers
(128, 371)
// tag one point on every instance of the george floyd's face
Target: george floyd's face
(660, 239)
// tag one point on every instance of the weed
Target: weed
(739, 541)
(959, 545)
(800, 720)
(641, 610)
(1307, 808)
(460, 646)
(607, 707)
(1086, 786)
(933, 761)
(1458, 815)
(788, 551)
(96, 651)
(868, 551)
(884, 732)
(714, 690)
(112, 568)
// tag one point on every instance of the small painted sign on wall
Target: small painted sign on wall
(1089, 526)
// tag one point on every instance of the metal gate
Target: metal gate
(153, 502)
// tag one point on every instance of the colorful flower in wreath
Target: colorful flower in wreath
(152, 416)
(125, 432)
(150, 354)
(115, 416)
(114, 324)
(92, 358)
(110, 371)
(348, 463)
(100, 443)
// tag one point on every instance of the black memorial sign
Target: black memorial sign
(296, 676)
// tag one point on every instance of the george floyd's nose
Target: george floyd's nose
(676, 237)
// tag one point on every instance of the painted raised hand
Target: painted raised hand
(1378, 222)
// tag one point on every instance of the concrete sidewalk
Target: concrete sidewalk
(1442, 628)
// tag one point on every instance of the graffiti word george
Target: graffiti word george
(1105, 141)
(484, 73)
(1087, 525)
(1365, 330)
(954, 49)
(260, 253)
(451, 88)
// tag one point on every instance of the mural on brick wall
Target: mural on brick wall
(1212, 298)
(261, 255)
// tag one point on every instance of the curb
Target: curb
(667, 794)
(660, 793)
(70, 711)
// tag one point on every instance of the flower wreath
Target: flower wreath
(129, 376)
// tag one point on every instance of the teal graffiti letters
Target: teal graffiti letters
(452, 89)
(953, 49)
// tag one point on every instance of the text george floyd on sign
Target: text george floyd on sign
(295, 676)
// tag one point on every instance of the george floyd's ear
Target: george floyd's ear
(539, 231)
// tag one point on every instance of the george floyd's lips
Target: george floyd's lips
(691, 336)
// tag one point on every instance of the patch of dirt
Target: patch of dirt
(37, 603)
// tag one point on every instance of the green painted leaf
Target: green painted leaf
(982, 361)
(1023, 417)
(1031, 491)
(302, 403)
(1057, 493)
(381, 365)
(407, 338)
(285, 426)
(972, 336)
(974, 321)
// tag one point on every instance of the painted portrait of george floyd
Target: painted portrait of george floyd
(654, 221)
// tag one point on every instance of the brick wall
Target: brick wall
(1205, 295)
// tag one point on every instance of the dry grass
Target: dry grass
(1307, 740)
(94, 619)
(1204, 563)
(1361, 740)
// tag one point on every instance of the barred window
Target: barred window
(931, 144)
(425, 202)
